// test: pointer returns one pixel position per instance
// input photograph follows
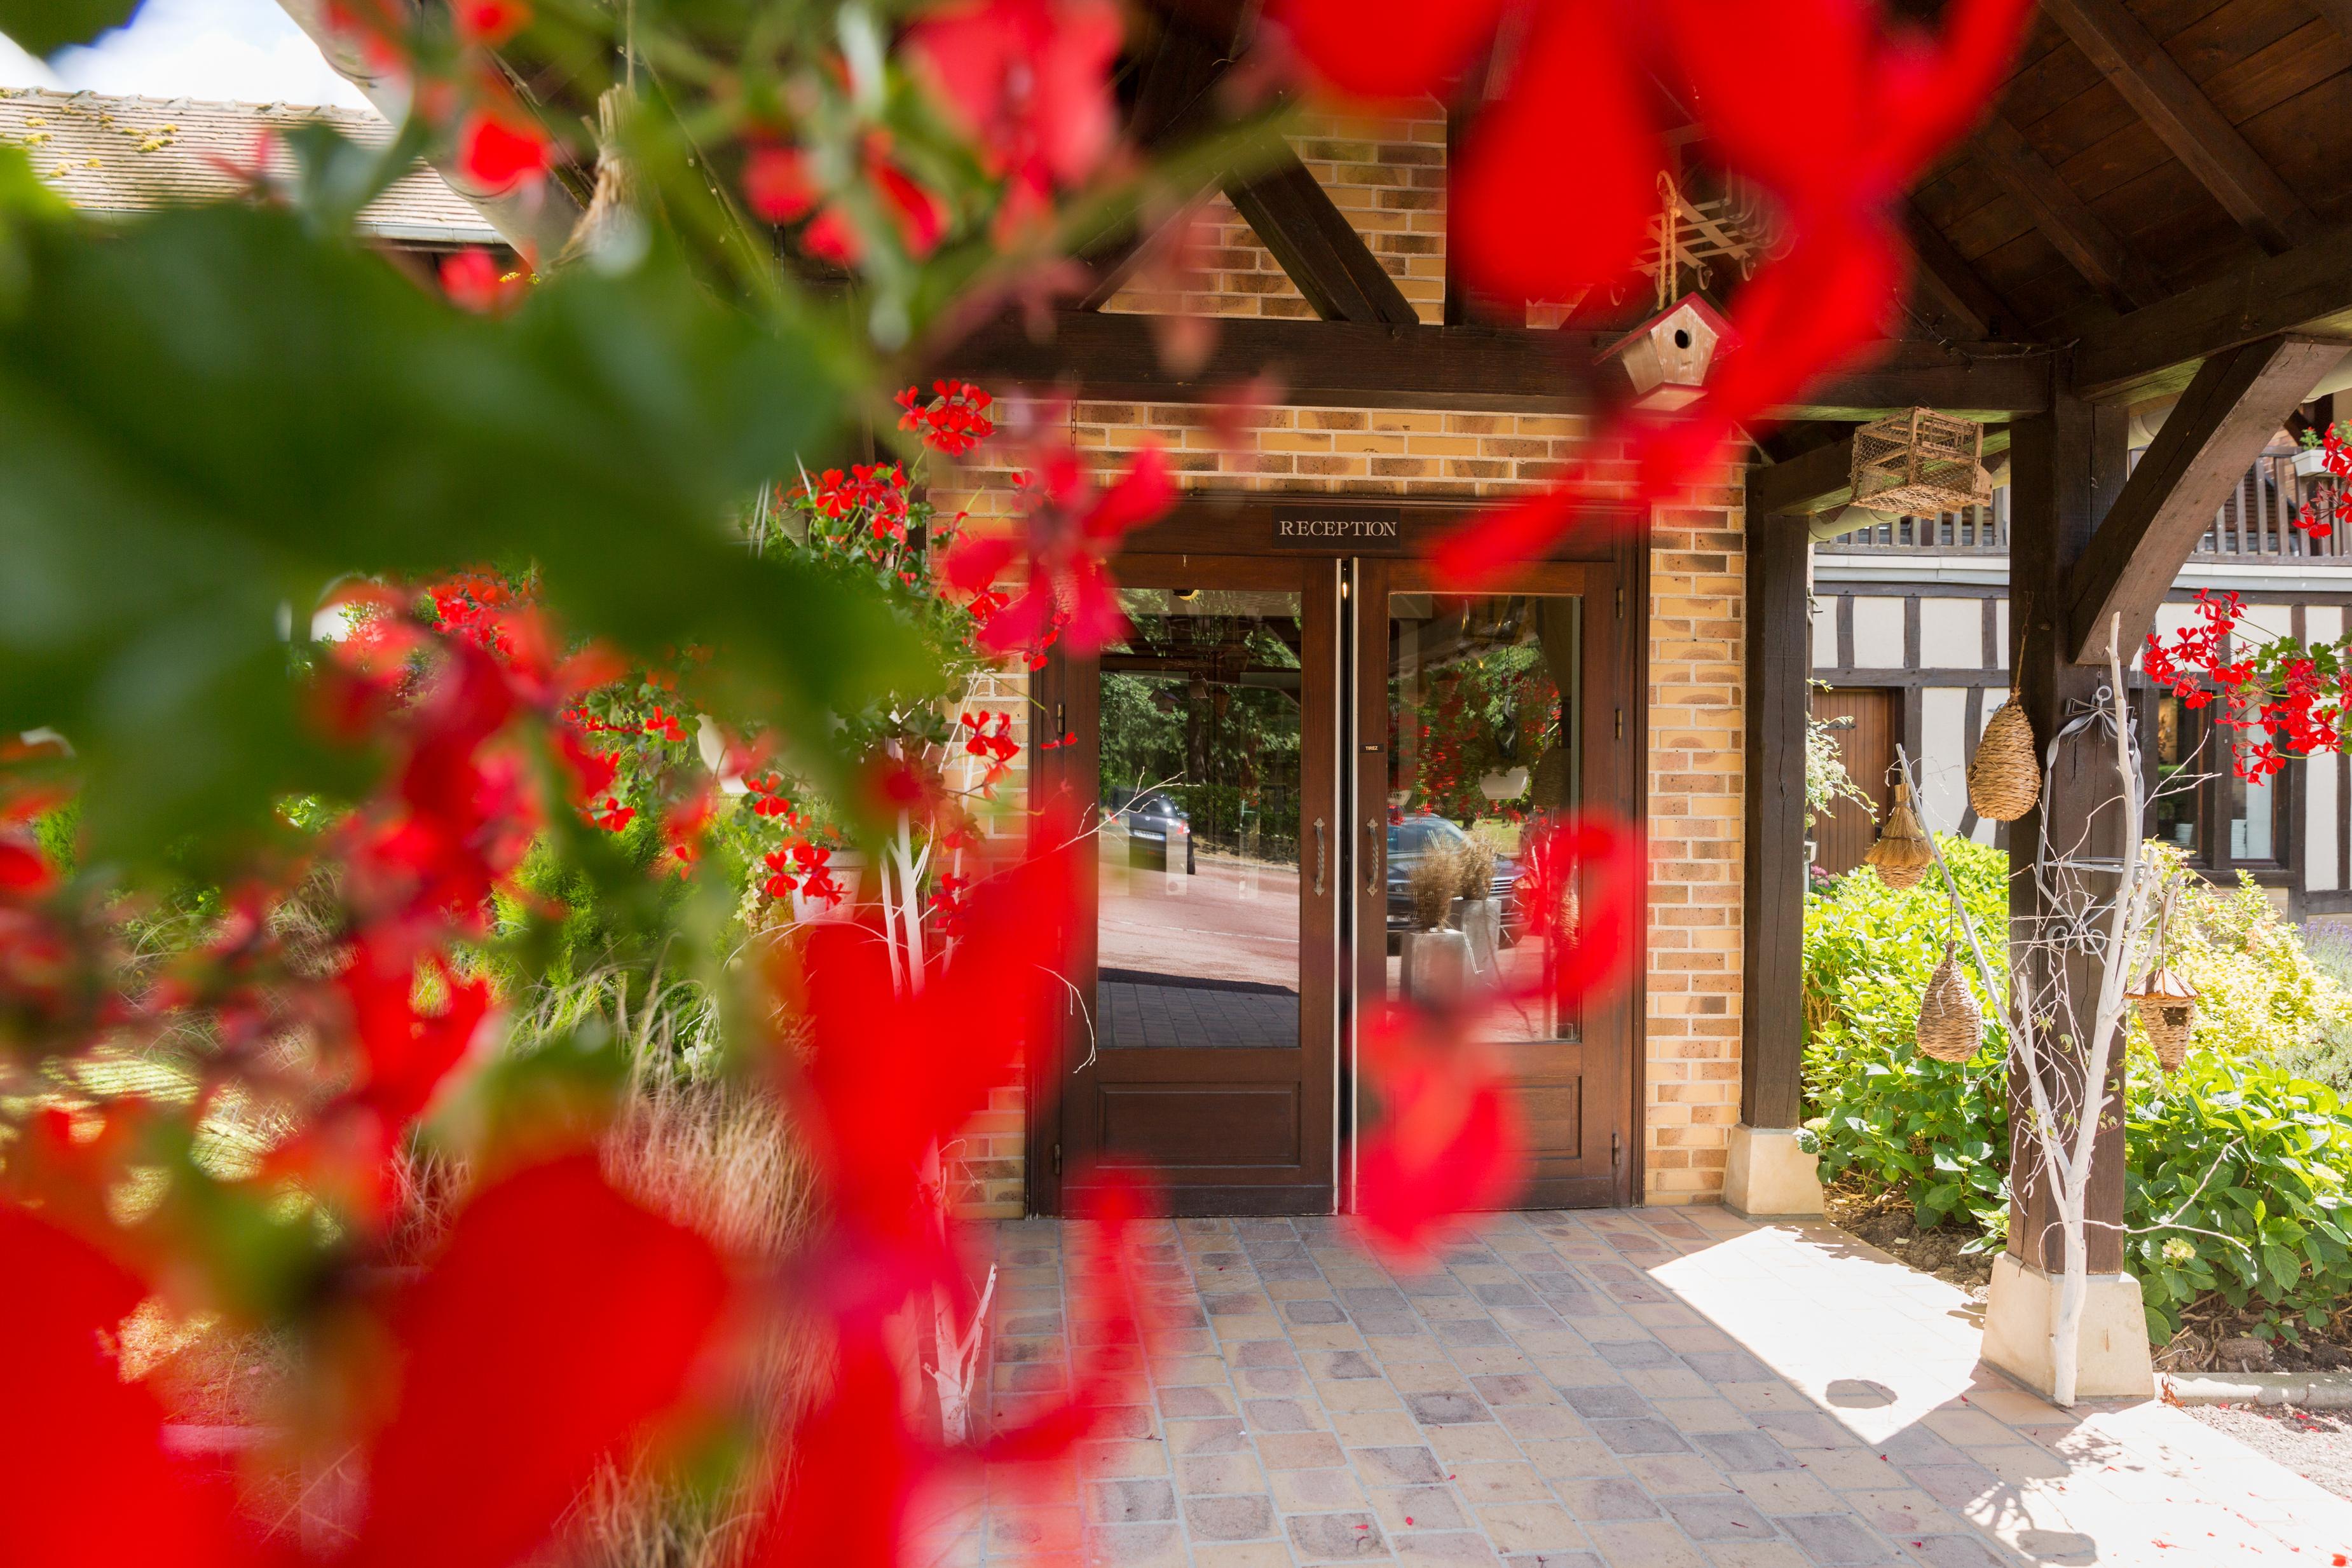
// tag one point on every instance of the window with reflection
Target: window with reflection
(1482, 752)
(2178, 790)
(2196, 802)
(1199, 780)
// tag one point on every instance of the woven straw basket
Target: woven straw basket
(2168, 1010)
(1951, 1027)
(2003, 779)
(1902, 854)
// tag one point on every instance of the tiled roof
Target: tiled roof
(122, 155)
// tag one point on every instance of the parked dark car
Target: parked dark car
(1153, 822)
(1413, 838)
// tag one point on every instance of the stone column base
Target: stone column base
(2021, 1315)
(1768, 1175)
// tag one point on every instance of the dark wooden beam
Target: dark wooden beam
(2337, 13)
(1779, 697)
(2079, 234)
(1347, 364)
(2068, 465)
(1809, 481)
(2177, 110)
(2224, 421)
(1821, 479)
(1174, 96)
(2155, 350)
(1313, 240)
(1949, 291)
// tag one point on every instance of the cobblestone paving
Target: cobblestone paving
(1545, 1400)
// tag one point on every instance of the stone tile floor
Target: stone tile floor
(1660, 1388)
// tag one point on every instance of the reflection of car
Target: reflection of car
(1413, 838)
(1153, 822)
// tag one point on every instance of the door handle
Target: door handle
(1371, 854)
(1319, 857)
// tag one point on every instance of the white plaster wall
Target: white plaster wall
(1951, 634)
(2170, 621)
(2001, 631)
(1877, 633)
(1993, 699)
(1943, 761)
(1825, 632)
(2260, 622)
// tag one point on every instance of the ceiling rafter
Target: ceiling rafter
(1314, 243)
(2221, 423)
(1347, 364)
(2177, 110)
(2148, 351)
(2079, 234)
(1954, 296)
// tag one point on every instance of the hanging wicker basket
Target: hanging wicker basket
(1951, 1026)
(1921, 464)
(2168, 1010)
(1902, 854)
(2004, 781)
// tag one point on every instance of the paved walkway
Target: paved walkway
(1665, 1389)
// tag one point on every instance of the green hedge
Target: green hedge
(2235, 1177)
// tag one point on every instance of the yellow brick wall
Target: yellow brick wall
(1698, 749)
(1390, 177)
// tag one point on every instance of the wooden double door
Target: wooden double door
(1279, 766)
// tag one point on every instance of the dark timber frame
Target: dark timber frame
(2242, 322)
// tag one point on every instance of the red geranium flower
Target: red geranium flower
(1030, 81)
(496, 153)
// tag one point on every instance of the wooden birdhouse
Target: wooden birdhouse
(1667, 356)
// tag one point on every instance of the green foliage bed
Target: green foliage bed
(2236, 1163)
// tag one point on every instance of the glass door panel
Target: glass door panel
(1482, 752)
(1480, 720)
(1207, 1043)
(1198, 783)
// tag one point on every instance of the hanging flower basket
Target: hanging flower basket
(2168, 1012)
(1951, 1026)
(1902, 854)
(2004, 781)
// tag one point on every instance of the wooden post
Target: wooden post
(1779, 645)
(2068, 467)
(1768, 1172)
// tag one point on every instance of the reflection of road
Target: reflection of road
(1233, 920)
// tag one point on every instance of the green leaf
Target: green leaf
(44, 26)
(210, 418)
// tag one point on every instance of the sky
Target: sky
(241, 50)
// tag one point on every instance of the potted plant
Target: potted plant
(1475, 913)
(1436, 960)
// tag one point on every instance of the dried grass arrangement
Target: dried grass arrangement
(1902, 854)
(1474, 869)
(1951, 1025)
(2005, 777)
(1431, 886)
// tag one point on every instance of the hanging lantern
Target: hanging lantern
(1920, 464)
(2004, 779)
(1951, 1025)
(1902, 854)
(2168, 1012)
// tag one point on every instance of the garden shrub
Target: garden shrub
(1882, 1112)
(2234, 1165)
(2235, 1184)
(2325, 1056)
